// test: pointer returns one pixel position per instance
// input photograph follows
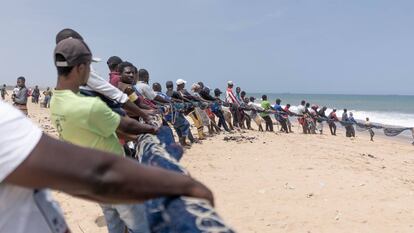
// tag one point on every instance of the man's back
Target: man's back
(206, 95)
(321, 113)
(344, 116)
(266, 106)
(230, 97)
(47, 93)
(36, 92)
(85, 121)
(145, 90)
(301, 109)
(332, 116)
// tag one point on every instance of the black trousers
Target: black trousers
(283, 123)
(269, 123)
(235, 114)
(221, 121)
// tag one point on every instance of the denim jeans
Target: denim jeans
(221, 121)
(133, 217)
(181, 125)
(47, 101)
(269, 123)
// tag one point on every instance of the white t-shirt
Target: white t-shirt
(145, 90)
(301, 109)
(19, 212)
(102, 86)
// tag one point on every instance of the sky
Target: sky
(275, 46)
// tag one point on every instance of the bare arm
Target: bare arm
(99, 176)
(199, 99)
(131, 126)
(133, 108)
(161, 100)
(177, 100)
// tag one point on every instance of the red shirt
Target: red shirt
(333, 116)
(287, 110)
(114, 78)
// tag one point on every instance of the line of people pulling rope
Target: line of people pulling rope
(243, 110)
(125, 120)
(311, 118)
(235, 111)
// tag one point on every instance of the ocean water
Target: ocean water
(391, 110)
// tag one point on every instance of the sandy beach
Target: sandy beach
(290, 183)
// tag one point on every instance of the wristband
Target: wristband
(133, 97)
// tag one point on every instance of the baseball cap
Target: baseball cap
(230, 83)
(73, 51)
(114, 60)
(67, 33)
(180, 81)
(217, 91)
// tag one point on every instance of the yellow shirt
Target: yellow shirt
(85, 121)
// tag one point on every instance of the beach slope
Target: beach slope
(290, 183)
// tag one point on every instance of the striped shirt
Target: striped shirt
(230, 97)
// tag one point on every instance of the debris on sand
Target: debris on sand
(240, 138)
(369, 155)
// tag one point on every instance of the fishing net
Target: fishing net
(392, 132)
(346, 123)
(363, 127)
